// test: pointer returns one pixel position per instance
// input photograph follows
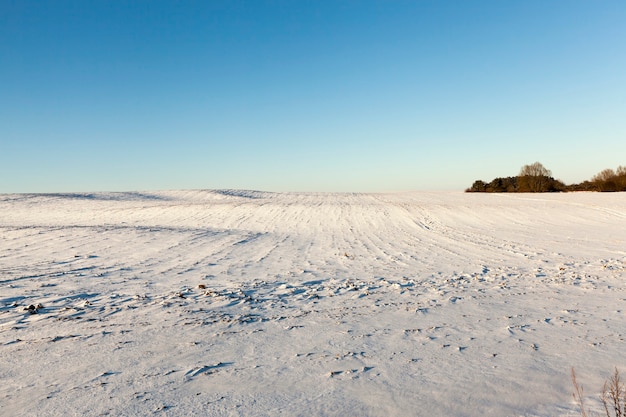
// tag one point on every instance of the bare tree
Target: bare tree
(621, 178)
(604, 175)
(606, 180)
(535, 170)
(534, 178)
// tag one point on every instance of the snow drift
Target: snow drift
(250, 303)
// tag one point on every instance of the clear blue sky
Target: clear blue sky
(307, 95)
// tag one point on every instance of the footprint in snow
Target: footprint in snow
(206, 369)
(350, 373)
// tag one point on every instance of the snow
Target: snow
(237, 302)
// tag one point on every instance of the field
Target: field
(245, 303)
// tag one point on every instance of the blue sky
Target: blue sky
(307, 95)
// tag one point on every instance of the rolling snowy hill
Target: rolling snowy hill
(247, 303)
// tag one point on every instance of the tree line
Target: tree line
(535, 178)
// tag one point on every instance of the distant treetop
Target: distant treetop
(535, 178)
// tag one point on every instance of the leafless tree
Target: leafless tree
(534, 178)
(604, 175)
(535, 170)
(606, 180)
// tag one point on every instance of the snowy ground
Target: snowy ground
(250, 303)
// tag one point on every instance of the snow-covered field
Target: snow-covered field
(223, 303)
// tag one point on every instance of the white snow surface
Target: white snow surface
(246, 303)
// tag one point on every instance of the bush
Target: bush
(613, 396)
(519, 184)
(610, 181)
(535, 178)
